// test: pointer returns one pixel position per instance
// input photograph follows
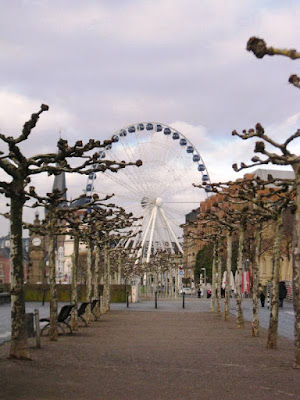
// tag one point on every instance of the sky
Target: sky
(102, 65)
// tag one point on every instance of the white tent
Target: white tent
(232, 283)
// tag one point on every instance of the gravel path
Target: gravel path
(132, 355)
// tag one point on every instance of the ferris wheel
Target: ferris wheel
(160, 191)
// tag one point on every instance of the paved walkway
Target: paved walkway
(176, 355)
(193, 304)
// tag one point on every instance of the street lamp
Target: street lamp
(205, 292)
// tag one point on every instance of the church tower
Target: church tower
(37, 262)
(38, 247)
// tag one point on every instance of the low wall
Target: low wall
(40, 292)
(4, 298)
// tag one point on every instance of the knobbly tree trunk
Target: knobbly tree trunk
(119, 268)
(18, 347)
(219, 282)
(74, 316)
(213, 279)
(167, 294)
(296, 272)
(166, 284)
(147, 286)
(273, 324)
(96, 293)
(256, 267)
(171, 282)
(106, 283)
(155, 281)
(239, 272)
(228, 275)
(53, 331)
(176, 282)
(89, 277)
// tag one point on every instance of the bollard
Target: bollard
(155, 298)
(37, 329)
(268, 298)
(183, 296)
(127, 299)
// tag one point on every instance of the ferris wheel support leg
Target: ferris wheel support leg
(171, 231)
(168, 234)
(151, 234)
(145, 236)
(160, 235)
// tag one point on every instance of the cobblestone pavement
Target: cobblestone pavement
(192, 304)
(132, 355)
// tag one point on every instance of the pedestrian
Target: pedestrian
(282, 293)
(262, 298)
(199, 293)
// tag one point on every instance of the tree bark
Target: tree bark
(239, 272)
(74, 316)
(53, 331)
(213, 279)
(228, 275)
(219, 282)
(89, 277)
(119, 268)
(273, 324)
(96, 293)
(167, 294)
(18, 346)
(176, 282)
(106, 283)
(296, 271)
(171, 282)
(255, 293)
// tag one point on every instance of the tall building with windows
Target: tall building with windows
(190, 247)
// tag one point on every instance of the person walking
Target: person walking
(262, 298)
(199, 293)
(282, 293)
(262, 295)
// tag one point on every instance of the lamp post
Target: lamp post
(205, 292)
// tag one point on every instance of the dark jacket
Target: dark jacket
(282, 290)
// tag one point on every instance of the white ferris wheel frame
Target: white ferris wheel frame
(154, 211)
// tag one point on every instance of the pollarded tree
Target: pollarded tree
(210, 233)
(282, 155)
(263, 201)
(58, 222)
(108, 230)
(18, 169)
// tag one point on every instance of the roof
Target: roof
(192, 216)
(276, 173)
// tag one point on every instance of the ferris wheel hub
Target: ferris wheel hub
(158, 202)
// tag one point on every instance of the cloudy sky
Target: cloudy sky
(104, 64)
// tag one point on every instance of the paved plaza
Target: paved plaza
(192, 305)
(168, 353)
